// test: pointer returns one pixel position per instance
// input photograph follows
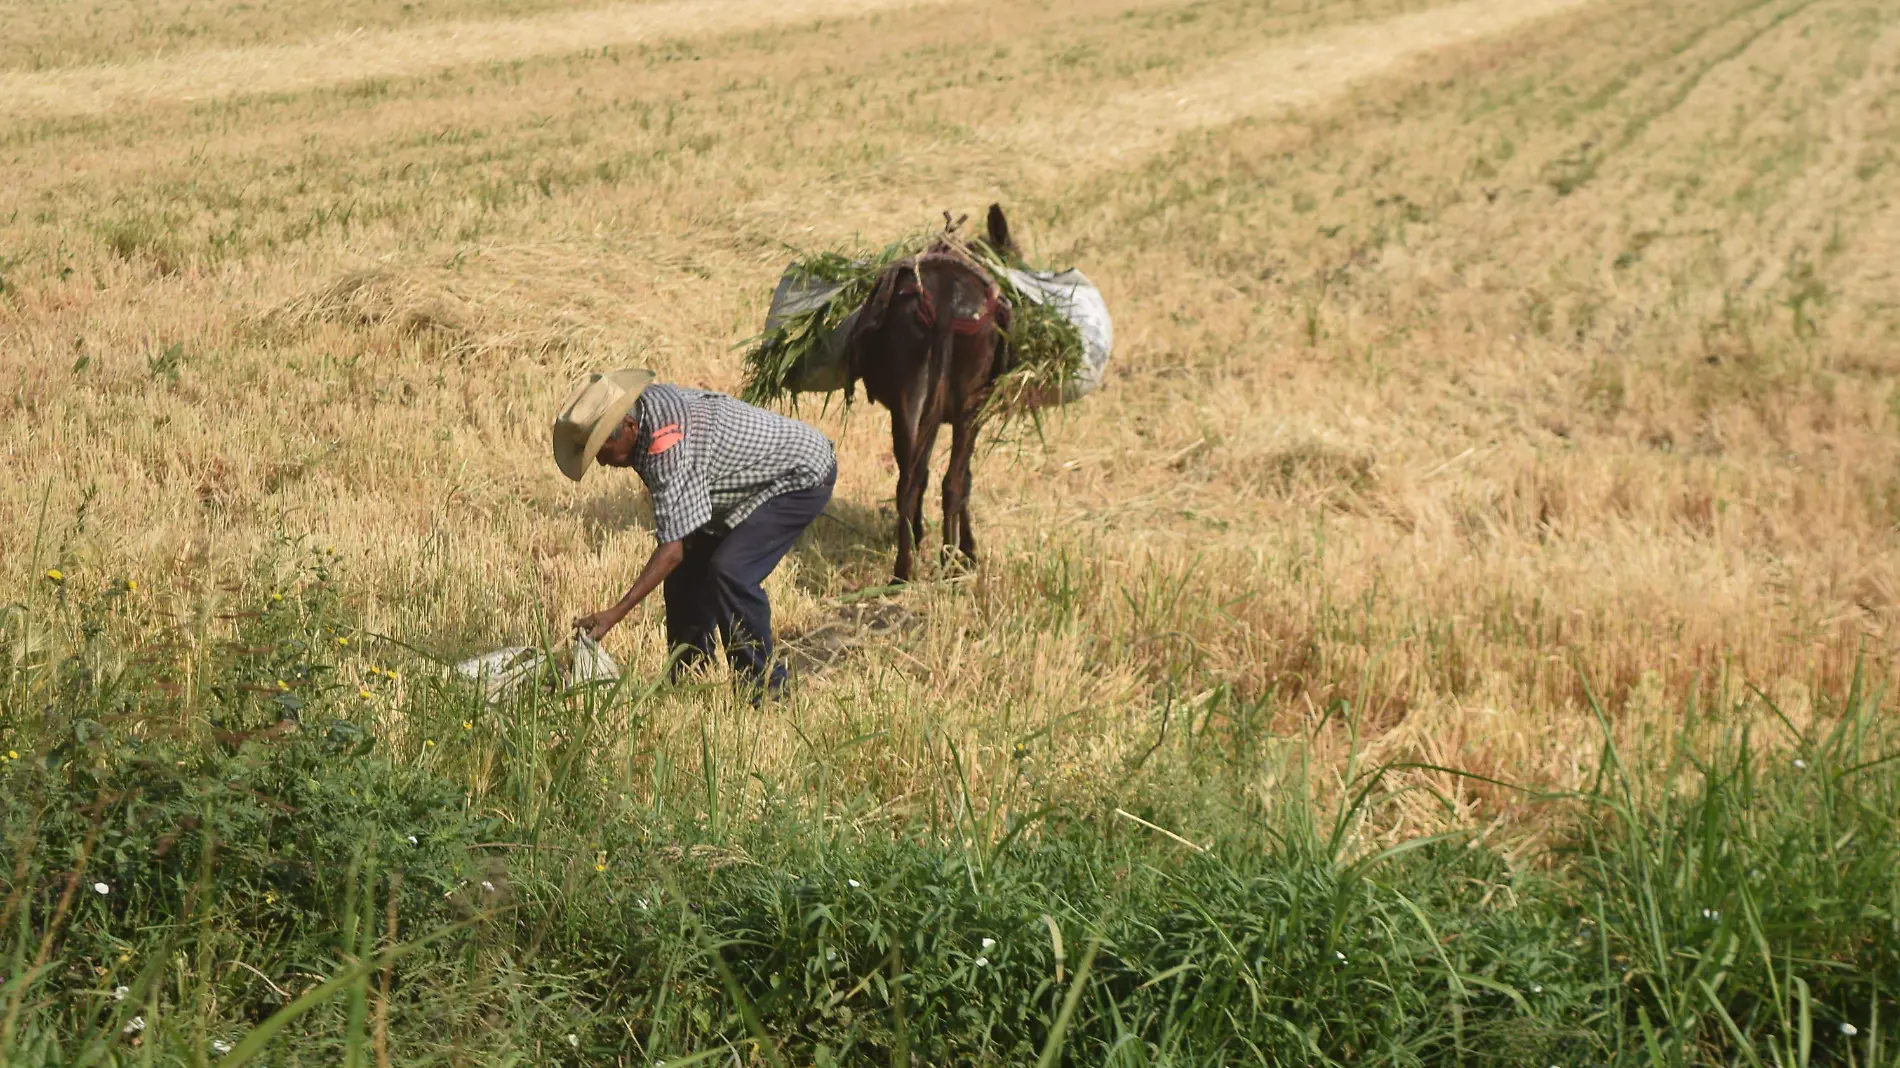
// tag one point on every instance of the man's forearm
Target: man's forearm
(666, 556)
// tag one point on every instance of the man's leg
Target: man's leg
(738, 570)
(692, 604)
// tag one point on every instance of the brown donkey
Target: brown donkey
(929, 344)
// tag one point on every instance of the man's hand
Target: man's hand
(597, 625)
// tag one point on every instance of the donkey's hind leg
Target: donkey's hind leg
(913, 477)
(907, 534)
(922, 475)
(956, 493)
(910, 505)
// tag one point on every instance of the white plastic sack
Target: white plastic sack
(506, 671)
(590, 663)
(1078, 301)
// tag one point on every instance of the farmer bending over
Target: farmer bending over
(732, 488)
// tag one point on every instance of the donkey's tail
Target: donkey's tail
(927, 403)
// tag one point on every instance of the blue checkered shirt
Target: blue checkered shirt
(710, 460)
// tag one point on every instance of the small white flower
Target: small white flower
(1341, 956)
(1711, 914)
(488, 886)
(982, 962)
(1799, 763)
(1536, 989)
(119, 993)
(642, 903)
(853, 883)
(412, 840)
(574, 1041)
(133, 1026)
(831, 954)
(219, 1045)
(988, 942)
(1849, 1030)
(101, 888)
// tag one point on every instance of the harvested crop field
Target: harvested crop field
(1503, 390)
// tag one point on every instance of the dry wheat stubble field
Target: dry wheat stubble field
(1466, 350)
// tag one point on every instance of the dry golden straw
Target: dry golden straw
(1509, 348)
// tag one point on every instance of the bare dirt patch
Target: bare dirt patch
(849, 628)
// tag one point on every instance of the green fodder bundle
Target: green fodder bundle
(1046, 352)
(776, 358)
(1046, 349)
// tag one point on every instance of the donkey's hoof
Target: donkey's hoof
(957, 562)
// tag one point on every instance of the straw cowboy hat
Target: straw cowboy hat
(590, 415)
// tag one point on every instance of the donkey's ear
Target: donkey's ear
(999, 231)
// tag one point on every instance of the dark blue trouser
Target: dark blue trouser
(718, 585)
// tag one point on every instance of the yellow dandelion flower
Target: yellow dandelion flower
(13, 754)
(131, 585)
(364, 694)
(282, 685)
(467, 726)
(56, 575)
(600, 867)
(343, 641)
(428, 743)
(276, 596)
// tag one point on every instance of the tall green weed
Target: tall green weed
(298, 868)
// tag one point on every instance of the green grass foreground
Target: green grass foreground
(179, 892)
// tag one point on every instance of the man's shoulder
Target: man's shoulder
(660, 397)
(670, 399)
(687, 394)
